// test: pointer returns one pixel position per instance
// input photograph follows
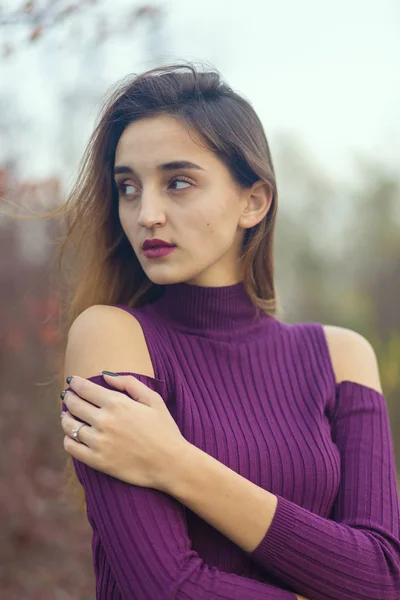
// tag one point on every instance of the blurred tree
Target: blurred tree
(375, 236)
(73, 42)
(308, 241)
(374, 245)
(45, 542)
(39, 18)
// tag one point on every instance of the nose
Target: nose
(151, 211)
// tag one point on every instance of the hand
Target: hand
(300, 597)
(133, 439)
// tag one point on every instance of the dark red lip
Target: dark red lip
(155, 243)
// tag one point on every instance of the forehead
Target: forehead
(160, 137)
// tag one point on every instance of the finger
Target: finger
(86, 433)
(80, 451)
(90, 391)
(81, 408)
(136, 389)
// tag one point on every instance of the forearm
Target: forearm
(140, 558)
(287, 539)
(232, 504)
(235, 506)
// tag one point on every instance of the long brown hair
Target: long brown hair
(104, 267)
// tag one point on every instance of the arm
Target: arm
(354, 556)
(144, 535)
(142, 530)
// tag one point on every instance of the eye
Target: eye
(128, 189)
(180, 180)
(123, 189)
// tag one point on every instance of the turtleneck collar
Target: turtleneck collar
(226, 309)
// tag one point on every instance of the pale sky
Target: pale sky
(326, 73)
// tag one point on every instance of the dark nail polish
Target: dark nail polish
(63, 394)
(69, 379)
(110, 373)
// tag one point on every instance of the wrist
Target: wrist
(181, 464)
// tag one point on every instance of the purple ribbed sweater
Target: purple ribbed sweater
(261, 397)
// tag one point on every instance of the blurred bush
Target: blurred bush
(45, 548)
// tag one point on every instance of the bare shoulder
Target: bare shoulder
(106, 338)
(353, 357)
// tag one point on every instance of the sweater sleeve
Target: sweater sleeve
(144, 535)
(354, 555)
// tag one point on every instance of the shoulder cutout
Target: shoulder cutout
(106, 338)
(353, 357)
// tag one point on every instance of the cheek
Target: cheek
(220, 224)
(215, 227)
(216, 235)
(204, 229)
(196, 223)
(128, 223)
(122, 219)
(209, 221)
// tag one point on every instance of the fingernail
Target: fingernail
(110, 373)
(62, 395)
(69, 379)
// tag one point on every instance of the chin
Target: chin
(164, 278)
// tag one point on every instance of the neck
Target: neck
(226, 310)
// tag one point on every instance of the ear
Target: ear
(257, 201)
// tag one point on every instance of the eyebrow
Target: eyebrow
(169, 166)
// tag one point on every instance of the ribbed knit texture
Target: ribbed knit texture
(261, 397)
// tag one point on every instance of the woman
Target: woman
(233, 455)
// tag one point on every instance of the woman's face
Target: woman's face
(199, 207)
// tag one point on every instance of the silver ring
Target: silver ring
(62, 414)
(75, 433)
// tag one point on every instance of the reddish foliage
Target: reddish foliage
(48, 335)
(15, 340)
(45, 551)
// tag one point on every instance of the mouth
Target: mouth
(156, 243)
(158, 251)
